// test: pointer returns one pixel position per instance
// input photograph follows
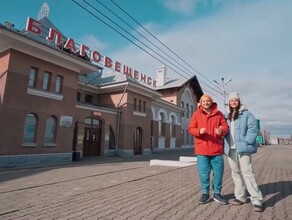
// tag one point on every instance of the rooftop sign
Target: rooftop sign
(34, 26)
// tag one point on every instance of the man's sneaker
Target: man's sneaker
(237, 202)
(220, 199)
(204, 199)
(258, 208)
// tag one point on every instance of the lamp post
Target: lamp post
(222, 86)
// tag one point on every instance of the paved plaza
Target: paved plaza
(131, 189)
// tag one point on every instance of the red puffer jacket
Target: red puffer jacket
(209, 143)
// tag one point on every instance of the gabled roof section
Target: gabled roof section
(109, 77)
(99, 79)
(197, 87)
(46, 24)
(174, 83)
(178, 83)
(114, 80)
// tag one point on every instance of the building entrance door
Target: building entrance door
(91, 141)
(138, 141)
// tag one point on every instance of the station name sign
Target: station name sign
(34, 26)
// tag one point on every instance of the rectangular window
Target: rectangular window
(135, 104)
(47, 81)
(59, 84)
(144, 106)
(140, 106)
(32, 82)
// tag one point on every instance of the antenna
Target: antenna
(44, 11)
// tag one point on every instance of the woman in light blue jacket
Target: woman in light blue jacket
(239, 144)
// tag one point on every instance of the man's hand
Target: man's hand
(202, 130)
(218, 131)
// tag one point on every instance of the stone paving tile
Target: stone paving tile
(131, 189)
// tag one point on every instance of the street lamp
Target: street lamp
(222, 85)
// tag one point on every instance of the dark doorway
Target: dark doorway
(138, 141)
(91, 142)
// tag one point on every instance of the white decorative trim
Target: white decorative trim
(139, 113)
(45, 94)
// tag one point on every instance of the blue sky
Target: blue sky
(248, 41)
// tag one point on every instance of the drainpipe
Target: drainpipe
(118, 132)
(119, 120)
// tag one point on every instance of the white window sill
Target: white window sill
(46, 94)
(142, 114)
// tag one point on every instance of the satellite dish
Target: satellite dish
(44, 11)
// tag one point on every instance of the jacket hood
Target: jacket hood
(242, 108)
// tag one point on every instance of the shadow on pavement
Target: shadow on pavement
(275, 192)
(272, 192)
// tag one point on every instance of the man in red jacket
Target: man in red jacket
(209, 126)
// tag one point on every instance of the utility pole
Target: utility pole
(222, 86)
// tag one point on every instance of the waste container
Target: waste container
(75, 156)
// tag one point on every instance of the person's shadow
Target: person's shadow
(275, 192)
(272, 192)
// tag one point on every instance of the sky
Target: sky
(246, 41)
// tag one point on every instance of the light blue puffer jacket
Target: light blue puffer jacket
(245, 133)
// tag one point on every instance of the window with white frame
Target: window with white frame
(51, 130)
(135, 104)
(33, 75)
(161, 125)
(47, 81)
(59, 84)
(30, 128)
(172, 126)
(183, 106)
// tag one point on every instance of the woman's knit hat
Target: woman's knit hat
(233, 95)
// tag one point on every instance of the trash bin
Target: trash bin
(75, 156)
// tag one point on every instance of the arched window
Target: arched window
(51, 130)
(183, 106)
(188, 110)
(172, 127)
(161, 125)
(30, 128)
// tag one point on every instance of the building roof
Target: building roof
(116, 80)
(178, 83)
(106, 78)
(46, 24)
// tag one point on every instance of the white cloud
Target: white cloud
(248, 42)
(92, 42)
(182, 6)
